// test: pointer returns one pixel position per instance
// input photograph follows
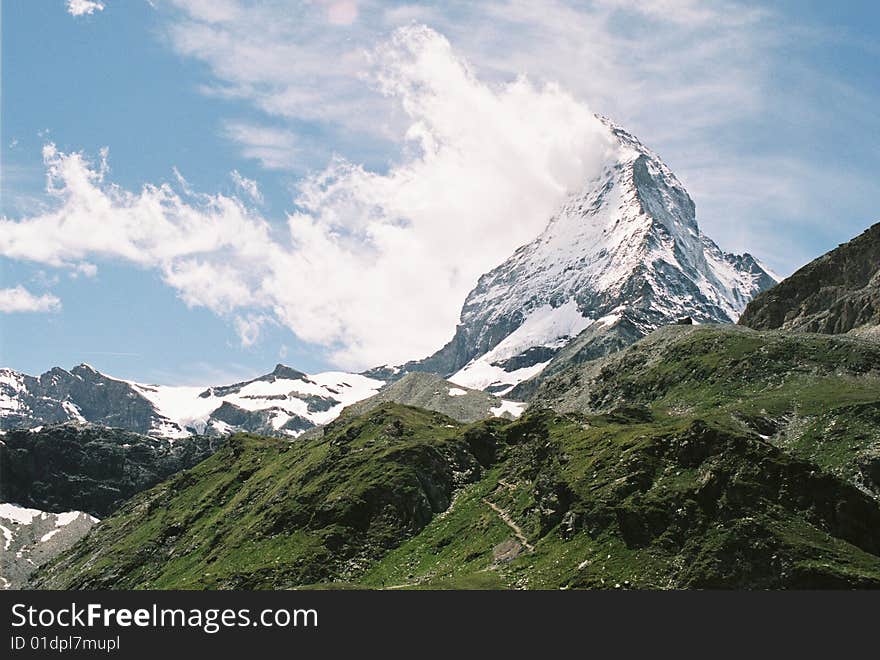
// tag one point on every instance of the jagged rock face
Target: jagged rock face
(595, 342)
(836, 293)
(624, 250)
(89, 468)
(79, 394)
(31, 537)
(282, 403)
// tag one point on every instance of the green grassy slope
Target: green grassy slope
(266, 513)
(817, 396)
(625, 501)
(549, 501)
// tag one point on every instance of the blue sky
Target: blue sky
(766, 111)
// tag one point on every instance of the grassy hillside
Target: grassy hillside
(816, 396)
(266, 513)
(404, 498)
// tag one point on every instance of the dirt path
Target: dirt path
(505, 518)
(509, 522)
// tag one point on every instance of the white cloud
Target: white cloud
(85, 269)
(684, 75)
(83, 7)
(645, 63)
(274, 148)
(247, 186)
(19, 299)
(281, 57)
(374, 267)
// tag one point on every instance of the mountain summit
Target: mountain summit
(620, 258)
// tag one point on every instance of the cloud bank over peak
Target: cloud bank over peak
(373, 267)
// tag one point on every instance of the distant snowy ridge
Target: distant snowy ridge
(284, 402)
(290, 401)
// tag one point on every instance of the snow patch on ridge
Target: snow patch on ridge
(186, 408)
(11, 384)
(19, 514)
(48, 535)
(547, 327)
(513, 408)
(72, 410)
(479, 374)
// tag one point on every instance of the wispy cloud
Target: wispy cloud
(19, 299)
(634, 61)
(121, 354)
(685, 75)
(341, 12)
(274, 148)
(200, 374)
(248, 186)
(249, 327)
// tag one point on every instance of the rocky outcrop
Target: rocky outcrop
(431, 392)
(31, 537)
(82, 394)
(89, 468)
(836, 293)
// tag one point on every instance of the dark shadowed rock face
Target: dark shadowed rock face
(836, 293)
(255, 421)
(89, 468)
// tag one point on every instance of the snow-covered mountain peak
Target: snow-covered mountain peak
(624, 249)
